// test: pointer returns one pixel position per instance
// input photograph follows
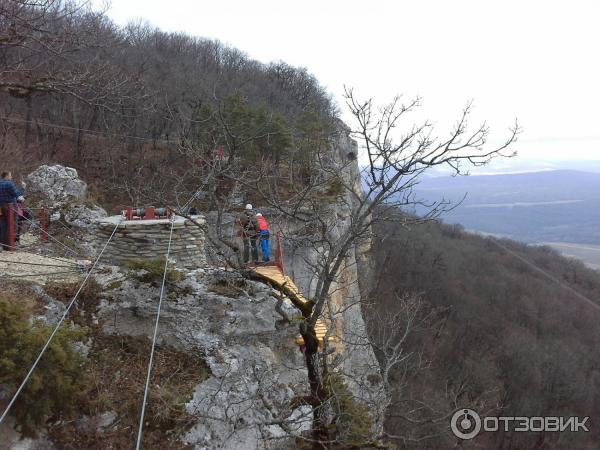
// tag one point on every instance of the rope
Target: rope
(192, 198)
(39, 357)
(39, 274)
(162, 290)
(43, 256)
(30, 263)
(51, 237)
(100, 133)
(547, 275)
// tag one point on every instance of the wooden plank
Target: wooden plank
(320, 331)
(274, 275)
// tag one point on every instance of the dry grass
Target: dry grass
(117, 375)
(22, 293)
(228, 287)
(87, 300)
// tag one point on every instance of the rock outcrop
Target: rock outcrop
(256, 368)
(57, 183)
(64, 194)
(83, 215)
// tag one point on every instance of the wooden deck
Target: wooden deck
(286, 285)
(278, 279)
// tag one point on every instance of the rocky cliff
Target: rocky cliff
(256, 367)
(245, 334)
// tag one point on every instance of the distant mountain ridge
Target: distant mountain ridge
(547, 206)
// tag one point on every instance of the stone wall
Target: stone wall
(136, 239)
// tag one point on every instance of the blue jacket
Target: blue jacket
(8, 192)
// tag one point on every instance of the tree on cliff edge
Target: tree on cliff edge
(396, 160)
(396, 156)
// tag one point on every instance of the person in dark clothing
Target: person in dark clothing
(249, 233)
(9, 195)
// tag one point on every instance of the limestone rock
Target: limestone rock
(83, 216)
(253, 363)
(57, 183)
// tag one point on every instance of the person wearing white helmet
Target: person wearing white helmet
(249, 233)
(263, 232)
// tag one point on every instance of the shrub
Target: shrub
(87, 300)
(57, 384)
(64, 292)
(154, 270)
(228, 287)
(117, 368)
(352, 423)
(335, 188)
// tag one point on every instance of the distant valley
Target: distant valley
(560, 208)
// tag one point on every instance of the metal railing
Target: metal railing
(12, 222)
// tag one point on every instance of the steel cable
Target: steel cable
(52, 237)
(162, 290)
(68, 308)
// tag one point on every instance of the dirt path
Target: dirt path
(23, 265)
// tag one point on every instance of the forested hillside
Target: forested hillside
(137, 110)
(498, 335)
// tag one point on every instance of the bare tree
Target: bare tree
(51, 46)
(396, 158)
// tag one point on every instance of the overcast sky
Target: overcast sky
(532, 60)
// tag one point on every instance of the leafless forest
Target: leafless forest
(119, 104)
(504, 338)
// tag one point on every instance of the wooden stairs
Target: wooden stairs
(273, 275)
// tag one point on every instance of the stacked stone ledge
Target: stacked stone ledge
(147, 239)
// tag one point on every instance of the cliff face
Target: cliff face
(231, 323)
(354, 355)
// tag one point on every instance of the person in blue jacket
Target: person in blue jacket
(9, 195)
(263, 232)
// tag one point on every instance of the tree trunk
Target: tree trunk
(317, 392)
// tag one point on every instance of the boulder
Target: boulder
(63, 193)
(57, 183)
(82, 216)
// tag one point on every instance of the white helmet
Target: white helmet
(248, 206)
(258, 215)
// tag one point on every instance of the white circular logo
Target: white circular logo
(465, 424)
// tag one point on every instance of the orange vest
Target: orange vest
(262, 223)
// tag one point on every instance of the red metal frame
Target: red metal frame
(278, 256)
(149, 213)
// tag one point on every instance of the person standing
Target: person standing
(249, 233)
(9, 195)
(263, 232)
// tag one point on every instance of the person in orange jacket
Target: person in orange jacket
(263, 232)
